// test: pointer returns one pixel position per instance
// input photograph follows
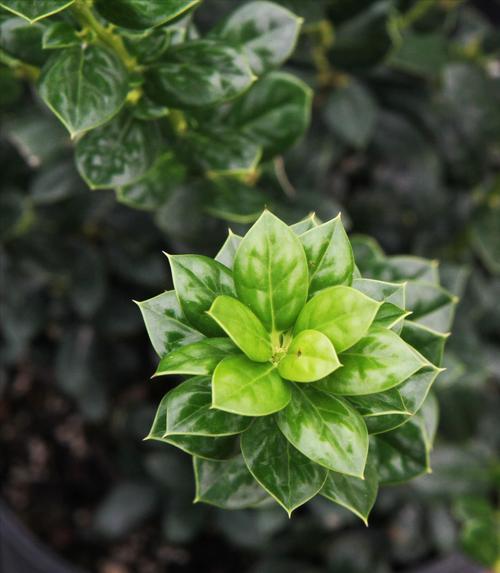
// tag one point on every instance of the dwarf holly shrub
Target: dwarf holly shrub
(154, 104)
(305, 377)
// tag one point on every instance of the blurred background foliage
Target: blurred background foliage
(405, 141)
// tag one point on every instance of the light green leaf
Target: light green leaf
(197, 358)
(211, 448)
(266, 31)
(243, 327)
(199, 73)
(227, 484)
(326, 430)
(143, 14)
(34, 10)
(118, 153)
(198, 281)
(228, 250)
(355, 494)
(275, 113)
(329, 255)
(188, 410)
(286, 474)
(165, 323)
(341, 313)
(241, 386)
(379, 361)
(310, 356)
(85, 87)
(270, 272)
(305, 224)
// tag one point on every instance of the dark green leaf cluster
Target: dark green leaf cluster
(306, 377)
(153, 104)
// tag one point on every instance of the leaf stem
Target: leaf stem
(21, 69)
(85, 16)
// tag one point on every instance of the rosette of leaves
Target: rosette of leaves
(305, 378)
(153, 103)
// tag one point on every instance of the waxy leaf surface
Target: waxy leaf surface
(248, 388)
(326, 430)
(341, 313)
(329, 256)
(165, 323)
(85, 87)
(198, 281)
(189, 412)
(199, 73)
(243, 327)
(226, 484)
(143, 14)
(270, 273)
(288, 476)
(266, 31)
(228, 250)
(310, 356)
(355, 494)
(379, 361)
(198, 358)
(118, 153)
(33, 10)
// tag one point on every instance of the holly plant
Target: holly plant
(157, 105)
(304, 377)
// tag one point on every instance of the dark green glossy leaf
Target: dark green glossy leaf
(431, 305)
(392, 295)
(199, 73)
(267, 32)
(378, 362)
(270, 272)
(326, 430)
(274, 113)
(153, 189)
(85, 87)
(403, 453)
(118, 153)
(143, 14)
(148, 110)
(342, 313)
(367, 253)
(404, 268)
(235, 201)
(423, 54)
(289, 477)
(197, 358)
(210, 448)
(189, 412)
(33, 10)
(22, 40)
(240, 386)
(226, 484)
(351, 114)
(228, 250)
(222, 152)
(357, 495)
(428, 342)
(329, 255)
(485, 229)
(198, 281)
(310, 356)
(243, 327)
(60, 35)
(165, 323)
